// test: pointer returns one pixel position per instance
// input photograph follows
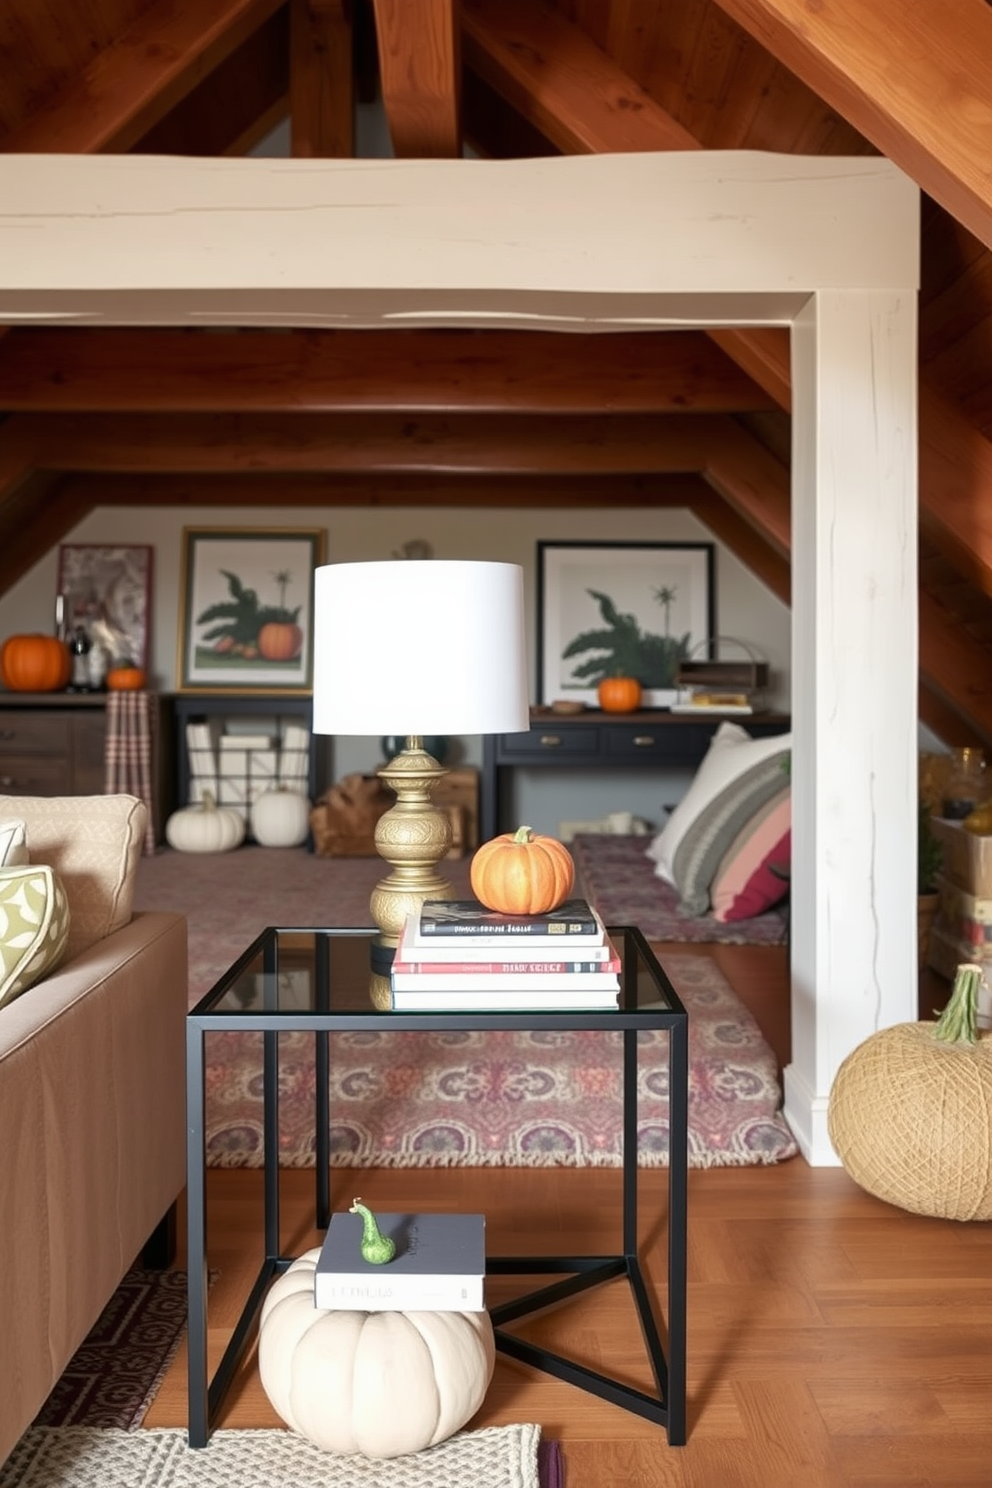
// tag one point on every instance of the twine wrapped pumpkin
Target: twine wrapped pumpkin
(910, 1112)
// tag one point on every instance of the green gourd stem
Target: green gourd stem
(376, 1247)
(958, 1023)
(523, 835)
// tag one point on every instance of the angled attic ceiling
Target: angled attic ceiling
(477, 417)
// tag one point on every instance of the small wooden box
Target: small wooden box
(723, 676)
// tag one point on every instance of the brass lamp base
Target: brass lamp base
(413, 836)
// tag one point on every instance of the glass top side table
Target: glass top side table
(315, 979)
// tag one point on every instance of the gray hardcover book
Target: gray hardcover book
(439, 1265)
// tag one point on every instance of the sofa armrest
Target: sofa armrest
(92, 1107)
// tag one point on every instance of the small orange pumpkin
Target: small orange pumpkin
(280, 640)
(522, 873)
(619, 694)
(125, 679)
(35, 663)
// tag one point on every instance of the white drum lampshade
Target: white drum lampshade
(416, 647)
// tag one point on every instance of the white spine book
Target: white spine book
(374, 1294)
(234, 780)
(246, 741)
(202, 761)
(439, 1265)
(294, 758)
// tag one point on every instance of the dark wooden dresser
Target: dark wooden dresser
(54, 744)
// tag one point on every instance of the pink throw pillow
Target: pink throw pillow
(744, 885)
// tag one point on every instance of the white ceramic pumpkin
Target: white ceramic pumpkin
(205, 828)
(280, 818)
(379, 1383)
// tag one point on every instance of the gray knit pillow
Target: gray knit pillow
(704, 844)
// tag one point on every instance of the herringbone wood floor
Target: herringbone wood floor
(834, 1342)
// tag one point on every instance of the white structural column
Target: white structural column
(854, 628)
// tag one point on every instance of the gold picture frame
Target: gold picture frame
(246, 610)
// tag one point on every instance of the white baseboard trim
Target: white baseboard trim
(806, 1114)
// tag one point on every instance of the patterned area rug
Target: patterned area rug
(78, 1457)
(620, 880)
(408, 1099)
(508, 1099)
(112, 1378)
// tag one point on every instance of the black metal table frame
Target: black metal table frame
(667, 1406)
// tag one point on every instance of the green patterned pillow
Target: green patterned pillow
(13, 844)
(34, 927)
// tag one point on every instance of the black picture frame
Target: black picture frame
(621, 590)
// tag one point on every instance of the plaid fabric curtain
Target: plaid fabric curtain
(129, 752)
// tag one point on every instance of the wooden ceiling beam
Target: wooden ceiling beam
(395, 489)
(235, 106)
(568, 444)
(913, 77)
(132, 84)
(754, 482)
(158, 371)
(420, 71)
(956, 486)
(585, 104)
(33, 519)
(561, 82)
(745, 541)
(321, 90)
(954, 667)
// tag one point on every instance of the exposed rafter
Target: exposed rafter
(132, 84)
(460, 443)
(914, 77)
(420, 70)
(321, 94)
(157, 371)
(585, 104)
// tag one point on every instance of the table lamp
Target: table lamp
(416, 647)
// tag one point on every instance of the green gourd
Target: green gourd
(376, 1247)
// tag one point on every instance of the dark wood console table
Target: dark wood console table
(595, 740)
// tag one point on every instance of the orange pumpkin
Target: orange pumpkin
(619, 694)
(125, 679)
(522, 873)
(35, 663)
(280, 640)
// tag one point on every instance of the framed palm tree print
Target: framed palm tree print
(615, 608)
(246, 612)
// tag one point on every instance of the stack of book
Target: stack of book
(439, 1265)
(457, 955)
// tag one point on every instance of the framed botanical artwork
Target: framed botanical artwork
(612, 608)
(105, 589)
(246, 609)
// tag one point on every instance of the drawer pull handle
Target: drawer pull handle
(7, 780)
(644, 740)
(549, 741)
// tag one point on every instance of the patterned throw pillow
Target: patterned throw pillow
(93, 843)
(731, 754)
(745, 883)
(34, 927)
(13, 844)
(709, 836)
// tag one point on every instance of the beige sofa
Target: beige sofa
(91, 1097)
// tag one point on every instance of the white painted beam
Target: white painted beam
(593, 241)
(854, 627)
